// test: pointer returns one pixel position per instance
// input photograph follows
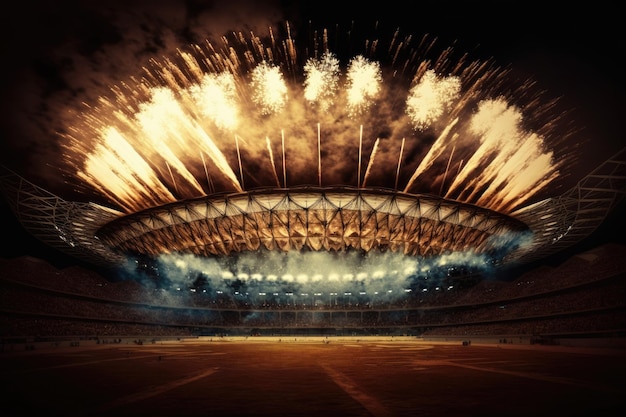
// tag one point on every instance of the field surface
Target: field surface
(313, 377)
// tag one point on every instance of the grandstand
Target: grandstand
(583, 297)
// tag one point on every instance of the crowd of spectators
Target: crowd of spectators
(585, 294)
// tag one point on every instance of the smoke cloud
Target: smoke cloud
(80, 50)
(318, 277)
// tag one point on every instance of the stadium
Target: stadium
(300, 219)
(212, 177)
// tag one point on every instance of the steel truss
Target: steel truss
(315, 219)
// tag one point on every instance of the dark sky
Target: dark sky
(57, 52)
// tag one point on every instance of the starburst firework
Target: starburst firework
(212, 118)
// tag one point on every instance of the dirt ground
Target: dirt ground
(313, 377)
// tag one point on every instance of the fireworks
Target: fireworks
(256, 112)
(257, 157)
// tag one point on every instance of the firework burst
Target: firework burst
(262, 112)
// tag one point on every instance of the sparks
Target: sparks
(171, 134)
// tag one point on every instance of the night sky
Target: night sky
(55, 53)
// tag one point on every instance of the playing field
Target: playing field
(313, 377)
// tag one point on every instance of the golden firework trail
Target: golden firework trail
(204, 121)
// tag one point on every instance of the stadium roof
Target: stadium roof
(311, 218)
(314, 218)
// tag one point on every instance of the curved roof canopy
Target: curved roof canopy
(312, 218)
(315, 218)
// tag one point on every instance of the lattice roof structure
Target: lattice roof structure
(67, 226)
(330, 219)
(560, 222)
(311, 218)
